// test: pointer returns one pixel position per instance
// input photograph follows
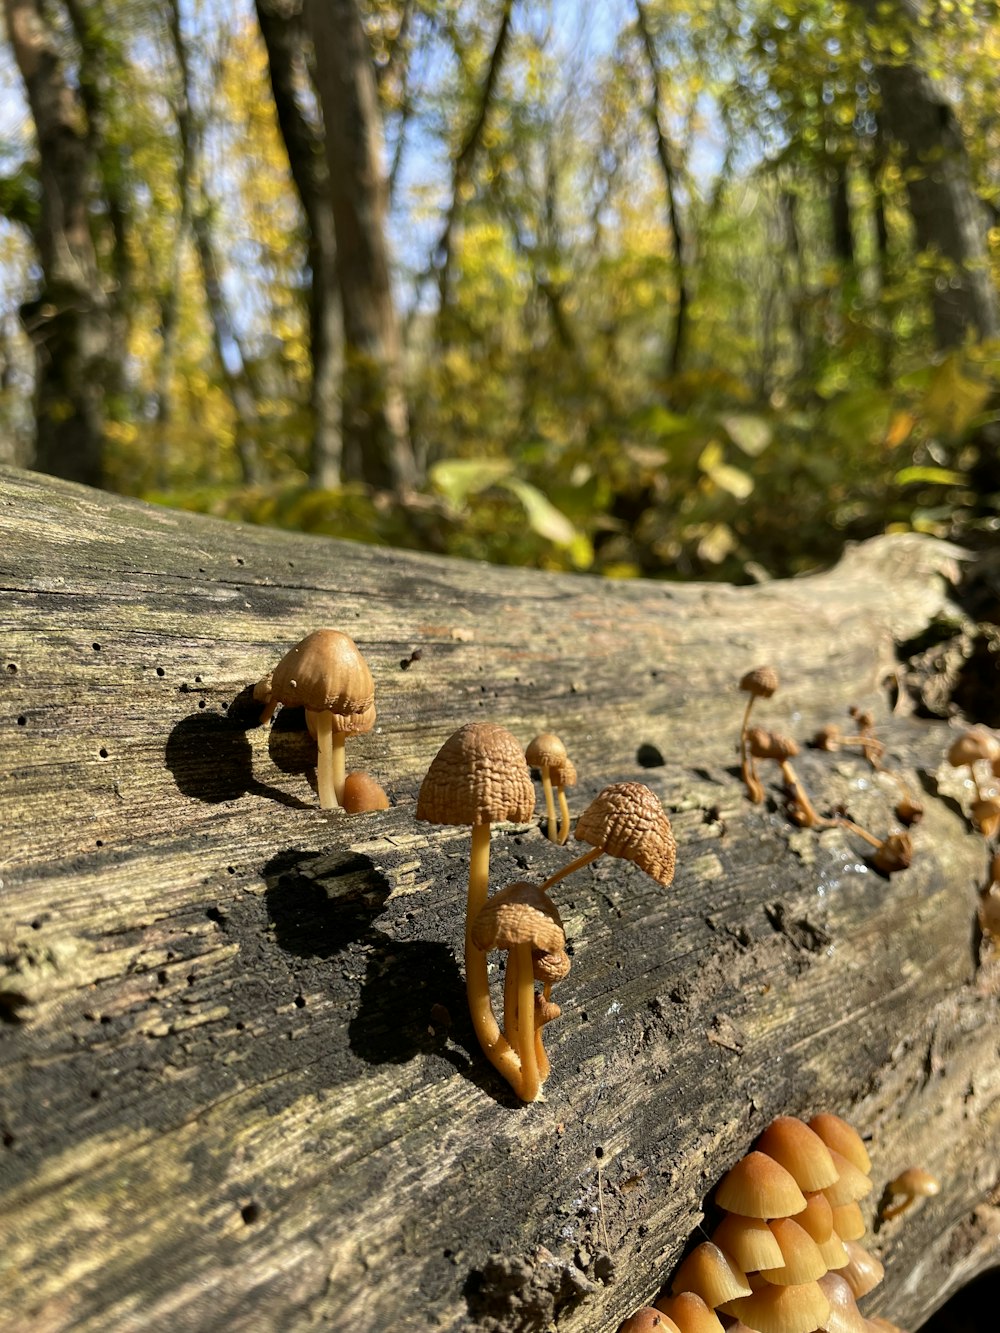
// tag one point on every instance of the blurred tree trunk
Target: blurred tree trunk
(68, 321)
(375, 419)
(840, 218)
(947, 217)
(283, 30)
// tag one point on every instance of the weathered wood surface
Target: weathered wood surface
(227, 1103)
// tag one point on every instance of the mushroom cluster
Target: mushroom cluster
(784, 1257)
(978, 748)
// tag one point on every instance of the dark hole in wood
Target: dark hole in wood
(250, 1212)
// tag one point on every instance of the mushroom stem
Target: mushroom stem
(799, 795)
(530, 1081)
(975, 783)
(510, 998)
(895, 1209)
(747, 767)
(564, 818)
(339, 763)
(856, 828)
(578, 864)
(497, 1050)
(550, 805)
(325, 767)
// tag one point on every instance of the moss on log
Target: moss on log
(238, 1083)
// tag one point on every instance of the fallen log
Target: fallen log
(238, 1083)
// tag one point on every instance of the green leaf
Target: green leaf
(733, 480)
(458, 478)
(750, 433)
(543, 517)
(940, 476)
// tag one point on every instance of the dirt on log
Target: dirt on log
(238, 1083)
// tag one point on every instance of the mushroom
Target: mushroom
(986, 815)
(545, 752)
(848, 1221)
(851, 1183)
(831, 738)
(362, 794)
(625, 820)
(913, 1183)
(862, 1272)
(771, 1309)
(563, 775)
(479, 777)
(892, 853)
(523, 920)
(975, 744)
(800, 1151)
(648, 1320)
(749, 1241)
(836, 1133)
(548, 967)
(689, 1312)
(757, 1186)
(711, 1274)
(760, 683)
(326, 674)
(801, 1258)
(844, 1316)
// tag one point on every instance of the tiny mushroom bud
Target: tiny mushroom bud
(986, 815)
(326, 674)
(989, 912)
(363, 794)
(913, 1183)
(480, 777)
(626, 820)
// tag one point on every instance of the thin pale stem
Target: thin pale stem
(800, 796)
(541, 1058)
(510, 998)
(746, 763)
(550, 805)
(496, 1048)
(578, 864)
(530, 1080)
(565, 819)
(861, 832)
(339, 763)
(325, 762)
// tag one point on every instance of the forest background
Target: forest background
(662, 287)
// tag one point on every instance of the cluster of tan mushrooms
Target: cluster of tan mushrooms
(479, 777)
(784, 1256)
(894, 852)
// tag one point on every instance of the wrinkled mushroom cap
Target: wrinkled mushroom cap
(545, 751)
(627, 820)
(770, 744)
(550, 966)
(564, 774)
(326, 673)
(761, 682)
(519, 914)
(479, 776)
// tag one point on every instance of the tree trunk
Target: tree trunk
(238, 1083)
(948, 219)
(375, 426)
(283, 29)
(68, 321)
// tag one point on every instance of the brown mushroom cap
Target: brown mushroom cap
(802, 1261)
(519, 914)
(915, 1181)
(710, 1273)
(761, 682)
(479, 776)
(648, 1320)
(986, 815)
(975, 744)
(627, 820)
(851, 1183)
(844, 1316)
(848, 1222)
(545, 750)
(750, 1241)
(758, 1187)
(363, 794)
(894, 853)
(771, 1309)
(771, 745)
(800, 1151)
(325, 672)
(550, 966)
(838, 1134)
(564, 774)
(690, 1313)
(862, 1272)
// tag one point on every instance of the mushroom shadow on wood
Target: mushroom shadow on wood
(211, 760)
(324, 907)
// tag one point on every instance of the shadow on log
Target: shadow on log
(238, 1082)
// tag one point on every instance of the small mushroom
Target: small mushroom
(689, 1312)
(800, 1255)
(749, 1241)
(326, 674)
(711, 1274)
(479, 777)
(563, 775)
(760, 683)
(757, 1186)
(545, 752)
(912, 1184)
(771, 1309)
(800, 1151)
(626, 820)
(836, 1133)
(862, 1272)
(844, 1316)
(648, 1320)
(523, 920)
(763, 744)
(969, 748)
(986, 815)
(851, 1183)
(848, 1221)
(892, 853)
(363, 794)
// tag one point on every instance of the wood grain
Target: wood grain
(238, 1084)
